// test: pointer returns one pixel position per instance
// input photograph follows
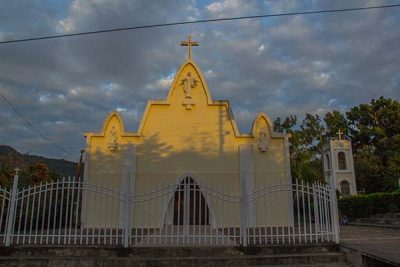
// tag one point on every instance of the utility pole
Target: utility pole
(78, 171)
(321, 143)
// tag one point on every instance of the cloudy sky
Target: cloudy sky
(282, 66)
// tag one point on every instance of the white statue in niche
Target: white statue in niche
(188, 83)
(262, 139)
(113, 144)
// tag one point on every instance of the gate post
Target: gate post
(243, 219)
(11, 216)
(334, 212)
(127, 211)
(128, 178)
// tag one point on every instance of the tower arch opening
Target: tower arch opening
(342, 161)
(345, 188)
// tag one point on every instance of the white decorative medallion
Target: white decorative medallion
(188, 83)
(262, 139)
(113, 144)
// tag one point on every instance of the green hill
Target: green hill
(60, 166)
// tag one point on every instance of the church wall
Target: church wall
(269, 170)
(272, 208)
(203, 146)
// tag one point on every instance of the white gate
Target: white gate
(187, 213)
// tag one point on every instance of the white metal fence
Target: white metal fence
(311, 215)
(71, 212)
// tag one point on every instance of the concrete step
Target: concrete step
(390, 226)
(164, 252)
(231, 261)
(334, 264)
(390, 221)
(388, 215)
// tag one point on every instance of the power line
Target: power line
(33, 127)
(198, 21)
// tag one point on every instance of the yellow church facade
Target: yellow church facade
(188, 136)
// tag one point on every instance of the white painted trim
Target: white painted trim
(246, 167)
(344, 171)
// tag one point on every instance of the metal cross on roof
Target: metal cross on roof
(189, 43)
(340, 133)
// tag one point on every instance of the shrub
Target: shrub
(362, 206)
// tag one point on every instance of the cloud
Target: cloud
(282, 66)
(162, 83)
(224, 6)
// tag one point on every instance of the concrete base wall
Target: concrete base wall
(195, 256)
(362, 259)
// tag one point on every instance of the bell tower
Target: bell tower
(338, 165)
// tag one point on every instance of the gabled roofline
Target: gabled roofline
(112, 114)
(210, 102)
(202, 78)
(263, 115)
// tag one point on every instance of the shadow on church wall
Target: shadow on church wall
(159, 165)
(161, 162)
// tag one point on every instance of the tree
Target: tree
(4, 177)
(335, 121)
(389, 150)
(286, 126)
(7, 170)
(312, 132)
(375, 128)
(375, 132)
(35, 174)
(368, 167)
(305, 156)
(374, 122)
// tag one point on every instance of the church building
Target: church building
(339, 166)
(189, 140)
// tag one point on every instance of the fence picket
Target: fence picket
(309, 212)
(44, 212)
(78, 193)
(4, 198)
(49, 215)
(20, 216)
